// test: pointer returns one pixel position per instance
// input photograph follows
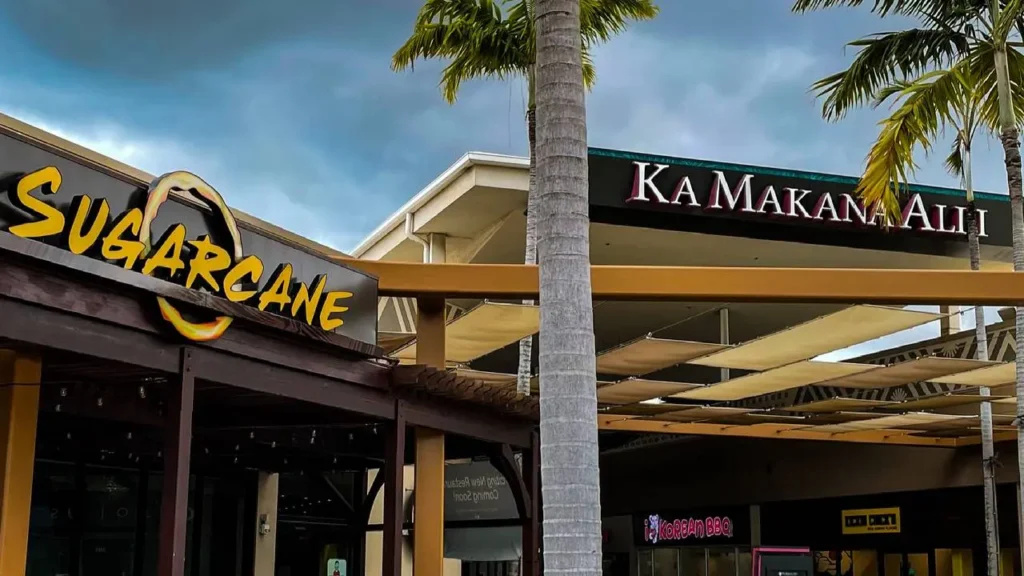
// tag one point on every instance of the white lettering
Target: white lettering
(939, 219)
(796, 202)
(642, 182)
(768, 196)
(825, 203)
(732, 198)
(684, 189)
(915, 208)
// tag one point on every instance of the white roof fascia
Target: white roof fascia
(431, 190)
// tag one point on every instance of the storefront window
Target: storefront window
(645, 561)
(722, 562)
(666, 562)
(692, 562)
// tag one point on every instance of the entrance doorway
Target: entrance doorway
(908, 563)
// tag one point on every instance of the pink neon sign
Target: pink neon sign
(657, 529)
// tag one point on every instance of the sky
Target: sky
(291, 111)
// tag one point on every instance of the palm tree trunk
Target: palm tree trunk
(570, 486)
(1010, 138)
(526, 344)
(981, 338)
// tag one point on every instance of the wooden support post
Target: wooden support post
(428, 527)
(723, 337)
(394, 494)
(531, 528)
(265, 531)
(177, 450)
(19, 415)
(428, 522)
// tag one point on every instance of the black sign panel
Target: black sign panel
(49, 181)
(772, 204)
(706, 527)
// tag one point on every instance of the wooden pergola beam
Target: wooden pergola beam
(707, 284)
(620, 423)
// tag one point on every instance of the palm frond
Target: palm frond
(600, 20)
(955, 161)
(887, 7)
(496, 38)
(884, 59)
(921, 109)
(982, 67)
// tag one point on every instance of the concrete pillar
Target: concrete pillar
(19, 415)
(265, 550)
(950, 321)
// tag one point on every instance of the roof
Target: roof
(467, 161)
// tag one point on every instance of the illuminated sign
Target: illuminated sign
(658, 529)
(871, 521)
(88, 226)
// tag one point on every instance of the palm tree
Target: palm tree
(969, 36)
(497, 39)
(571, 492)
(951, 97)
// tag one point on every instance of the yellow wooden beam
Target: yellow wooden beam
(19, 413)
(428, 527)
(775, 431)
(708, 284)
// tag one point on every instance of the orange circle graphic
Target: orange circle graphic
(158, 192)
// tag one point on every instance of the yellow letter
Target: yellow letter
(52, 222)
(77, 241)
(309, 302)
(209, 259)
(167, 254)
(116, 248)
(330, 307)
(276, 291)
(251, 267)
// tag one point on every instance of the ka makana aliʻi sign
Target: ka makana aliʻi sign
(743, 194)
(773, 204)
(155, 234)
(871, 521)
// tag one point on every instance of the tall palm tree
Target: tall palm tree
(951, 97)
(571, 492)
(970, 36)
(497, 39)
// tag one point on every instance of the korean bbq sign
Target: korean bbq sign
(658, 529)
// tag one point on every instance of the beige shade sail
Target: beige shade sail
(997, 375)
(703, 413)
(910, 421)
(791, 376)
(390, 341)
(909, 372)
(837, 404)
(825, 334)
(941, 401)
(755, 418)
(648, 354)
(482, 330)
(1006, 400)
(638, 389)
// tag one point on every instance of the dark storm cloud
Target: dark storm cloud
(153, 38)
(291, 110)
